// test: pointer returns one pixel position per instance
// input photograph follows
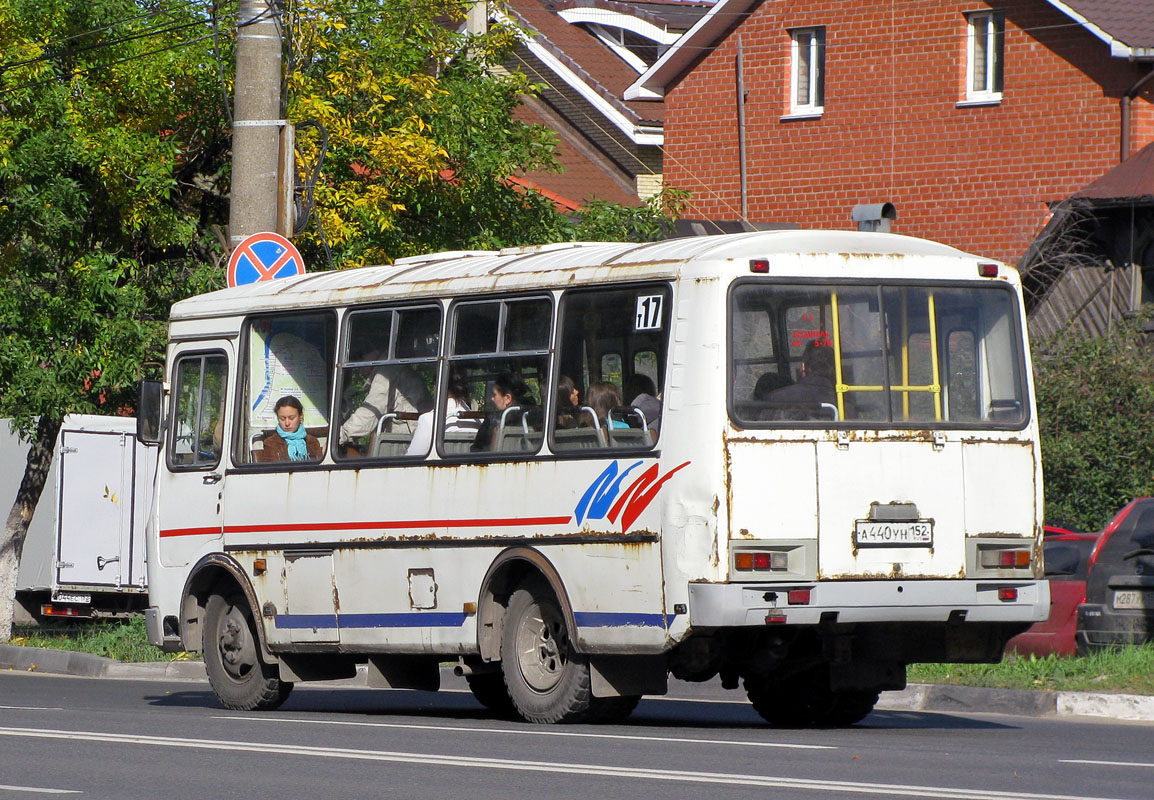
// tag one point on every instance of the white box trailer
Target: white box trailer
(85, 550)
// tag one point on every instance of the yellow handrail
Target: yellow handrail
(839, 387)
(936, 386)
(905, 357)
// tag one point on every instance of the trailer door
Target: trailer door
(94, 535)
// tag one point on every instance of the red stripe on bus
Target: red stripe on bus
(404, 524)
(191, 532)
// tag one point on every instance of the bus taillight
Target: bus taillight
(753, 560)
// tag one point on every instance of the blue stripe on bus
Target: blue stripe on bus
(585, 619)
(414, 620)
(605, 619)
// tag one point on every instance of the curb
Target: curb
(915, 697)
(86, 665)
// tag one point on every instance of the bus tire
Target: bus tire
(489, 690)
(239, 676)
(547, 680)
(799, 702)
(852, 706)
(610, 710)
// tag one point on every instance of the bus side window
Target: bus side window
(289, 361)
(388, 379)
(613, 349)
(198, 421)
(498, 373)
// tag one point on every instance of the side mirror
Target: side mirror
(149, 411)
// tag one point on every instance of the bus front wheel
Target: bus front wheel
(239, 677)
(547, 680)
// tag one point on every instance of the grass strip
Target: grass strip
(1126, 670)
(123, 640)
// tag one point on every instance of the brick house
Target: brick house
(970, 117)
(583, 54)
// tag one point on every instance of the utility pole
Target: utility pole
(257, 124)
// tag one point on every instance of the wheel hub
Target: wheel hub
(237, 652)
(542, 644)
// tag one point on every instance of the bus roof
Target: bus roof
(541, 267)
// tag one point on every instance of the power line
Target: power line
(52, 44)
(106, 65)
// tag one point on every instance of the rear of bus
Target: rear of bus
(884, 478)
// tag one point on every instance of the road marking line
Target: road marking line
(36, 789)
(427, 759)
(32, 708)
(532, 732)
(1146, 764)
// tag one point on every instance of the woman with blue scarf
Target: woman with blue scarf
(290, 441)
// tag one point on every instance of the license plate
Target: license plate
(63, 597)
(1129, 598)
(868, 533)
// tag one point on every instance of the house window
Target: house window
(984, 57)
(807, 84)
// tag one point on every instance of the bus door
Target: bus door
(191, 514)
(273, 502)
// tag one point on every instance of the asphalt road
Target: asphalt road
(65, 736)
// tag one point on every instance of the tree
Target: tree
(1095, 396)
(112, 151)
(114, 148)
(421, 135)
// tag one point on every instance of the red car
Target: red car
(1067, 554)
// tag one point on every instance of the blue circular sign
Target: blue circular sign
(264, 257)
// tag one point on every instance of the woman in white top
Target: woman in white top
(456, 404)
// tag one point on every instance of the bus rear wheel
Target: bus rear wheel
(239, 676)
(547, 680)
(489, 690)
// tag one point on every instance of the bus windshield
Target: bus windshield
(898, 355)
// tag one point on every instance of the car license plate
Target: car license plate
(1129, 598)
(64, 597)
(871, 533)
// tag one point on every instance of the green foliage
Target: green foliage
(422, 138)
(602, 221)
(1129, 670)
(111, 147)
(1095, 397)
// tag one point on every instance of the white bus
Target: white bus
(797, 460)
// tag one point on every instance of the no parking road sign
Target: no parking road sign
(263, 257)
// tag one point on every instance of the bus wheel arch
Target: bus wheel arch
(216, 573)
(511, 570)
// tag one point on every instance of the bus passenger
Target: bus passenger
(509, 390)
(640, 387)
(813, 396)
(456, 404)
(603, 398)
(568, 398)
(393, 388)
(290, 441)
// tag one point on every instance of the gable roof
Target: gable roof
(1126, 26)
(593, 67)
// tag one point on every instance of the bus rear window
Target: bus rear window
(892, 355)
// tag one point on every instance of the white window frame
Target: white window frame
(982, 26)
(815, 75)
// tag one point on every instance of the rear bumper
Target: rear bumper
(713, 605)
(1100, 627)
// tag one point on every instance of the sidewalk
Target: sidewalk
(915, 697)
